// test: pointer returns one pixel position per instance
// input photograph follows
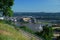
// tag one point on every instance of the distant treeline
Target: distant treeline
(40, 15)
(35, 14)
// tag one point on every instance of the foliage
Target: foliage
(5, 7)
(47, 33)
(58, 38)
(9, 33)
(26, 29)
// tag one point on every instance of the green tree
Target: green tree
(47, 32)
(58, 38)
(5, 6)
(8, 12)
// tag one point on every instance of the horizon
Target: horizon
(36, 12)
(36, 6)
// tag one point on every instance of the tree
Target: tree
(8, 12)
(58, 38)
(5, 6)
(1, 5)
(47, 33)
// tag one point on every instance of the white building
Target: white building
(1, 18)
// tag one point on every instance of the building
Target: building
(26, 19)
(1, 18)
(33, 20)
(56, 29)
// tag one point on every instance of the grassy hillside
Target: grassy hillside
(8, 32)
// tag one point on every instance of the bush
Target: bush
(26, 29)
(47, 33)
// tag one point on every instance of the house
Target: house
(1, 18)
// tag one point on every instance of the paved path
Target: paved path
(29, 35)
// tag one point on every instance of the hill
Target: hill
(8, 32)
(36, 14)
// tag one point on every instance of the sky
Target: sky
(36, 6)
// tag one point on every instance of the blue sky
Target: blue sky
(36, 6)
